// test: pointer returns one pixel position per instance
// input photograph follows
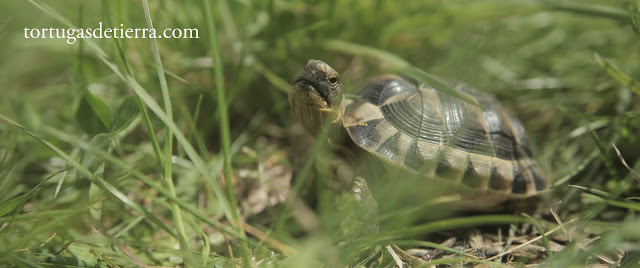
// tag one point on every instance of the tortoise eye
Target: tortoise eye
(333, 80)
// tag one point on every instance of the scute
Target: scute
(416, 127)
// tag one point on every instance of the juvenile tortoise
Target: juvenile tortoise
(479, 150)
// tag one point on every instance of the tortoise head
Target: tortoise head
(315, 95)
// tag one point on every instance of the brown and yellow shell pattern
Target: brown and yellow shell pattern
(432, 133)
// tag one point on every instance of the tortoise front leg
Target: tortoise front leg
(364, 219)
(367, 205)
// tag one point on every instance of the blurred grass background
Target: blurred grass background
(565, 68)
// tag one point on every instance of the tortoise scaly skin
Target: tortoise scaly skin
(481, 149)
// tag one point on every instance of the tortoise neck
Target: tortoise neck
(330, 119)
(339, 112)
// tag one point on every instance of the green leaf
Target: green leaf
(206, 249)
(11, 205)
(93, 115)
(100, 141)
(127, 112)
(84, 254)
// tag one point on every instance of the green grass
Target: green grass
(133, 152)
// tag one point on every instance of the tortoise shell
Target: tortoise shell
(426, 131)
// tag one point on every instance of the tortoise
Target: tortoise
(480, 149)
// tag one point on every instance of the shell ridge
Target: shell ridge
(486, 149)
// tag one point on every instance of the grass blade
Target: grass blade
(634, 12)
(618, 75)
(168, 148)
(225, 133)
(588, 9)
(104, 185)
(396, 64)
(448, 224)
(361, 50)
(5, 24)
(623, 204)
(418, 243)
(138, 175)
(604, 153)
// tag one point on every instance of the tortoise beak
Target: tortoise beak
(316, 96)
